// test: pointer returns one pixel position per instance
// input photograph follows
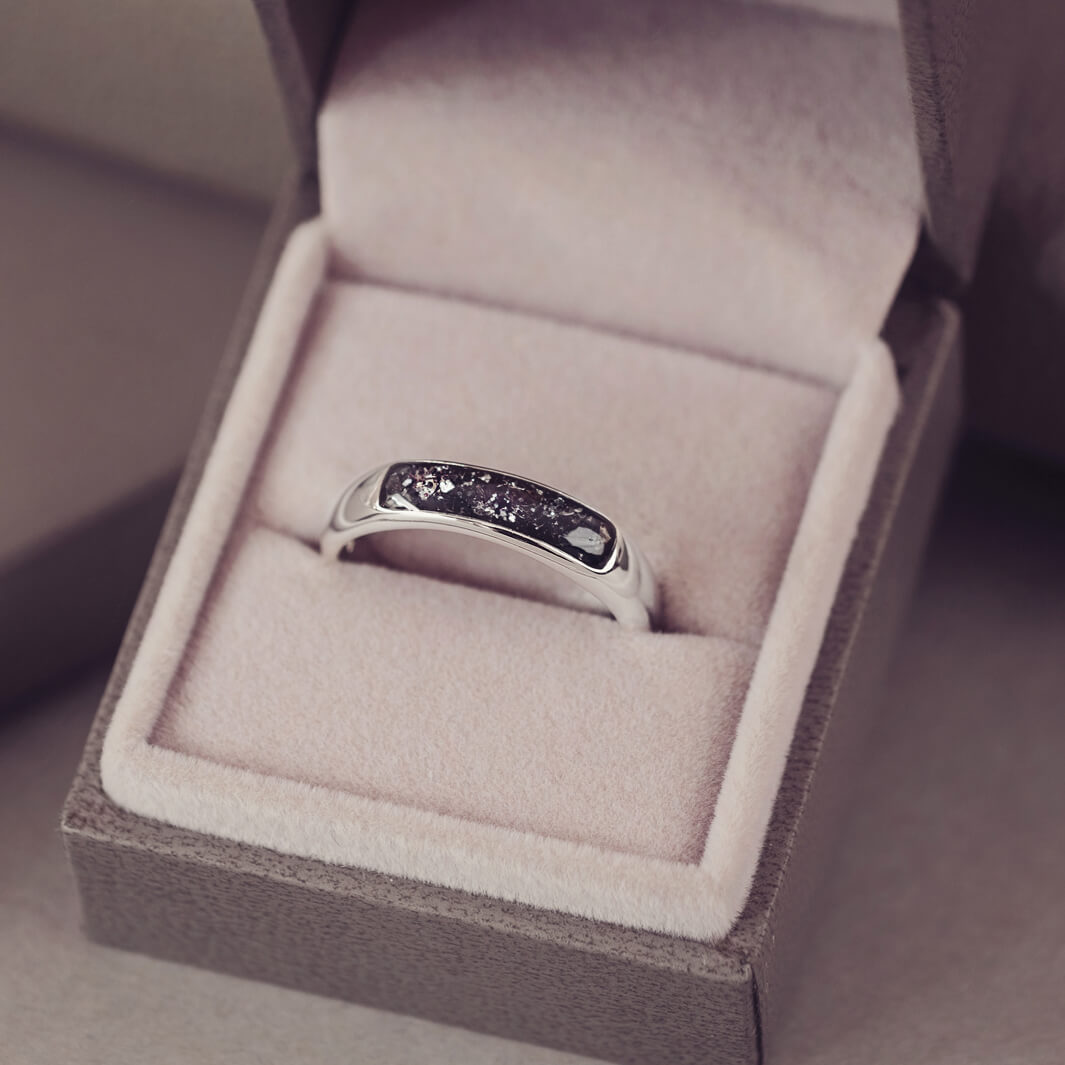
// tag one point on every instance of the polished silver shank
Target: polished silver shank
(530, 517)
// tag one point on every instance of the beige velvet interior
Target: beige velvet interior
(707, 174)
(532, 691)
(449, 715)
(664, 440)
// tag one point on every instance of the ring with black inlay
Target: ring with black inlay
(537, 520)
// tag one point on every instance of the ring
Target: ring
(539, 521)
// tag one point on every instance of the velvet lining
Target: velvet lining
(710, 175)
(215, 730)
(439, 712)
(663, 441)
(530, 694)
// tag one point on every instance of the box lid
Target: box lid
(961, 59)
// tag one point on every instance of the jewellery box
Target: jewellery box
(663, 256)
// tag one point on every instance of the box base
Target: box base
(506, 969)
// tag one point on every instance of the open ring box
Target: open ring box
(645, 252)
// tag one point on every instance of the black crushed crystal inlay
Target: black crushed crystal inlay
(505, 502)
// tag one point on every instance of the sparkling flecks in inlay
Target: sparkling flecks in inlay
(505, 502)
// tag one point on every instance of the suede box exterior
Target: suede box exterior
(501, 967)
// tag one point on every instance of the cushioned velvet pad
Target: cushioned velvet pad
(535, 718)
(705, 462)
(507, 723)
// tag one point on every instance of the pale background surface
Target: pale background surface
(117, 291)
(939, 936)
(181, 87)
(139, 145)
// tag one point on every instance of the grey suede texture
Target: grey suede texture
(964, 62)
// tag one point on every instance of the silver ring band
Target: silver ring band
(530, 517)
